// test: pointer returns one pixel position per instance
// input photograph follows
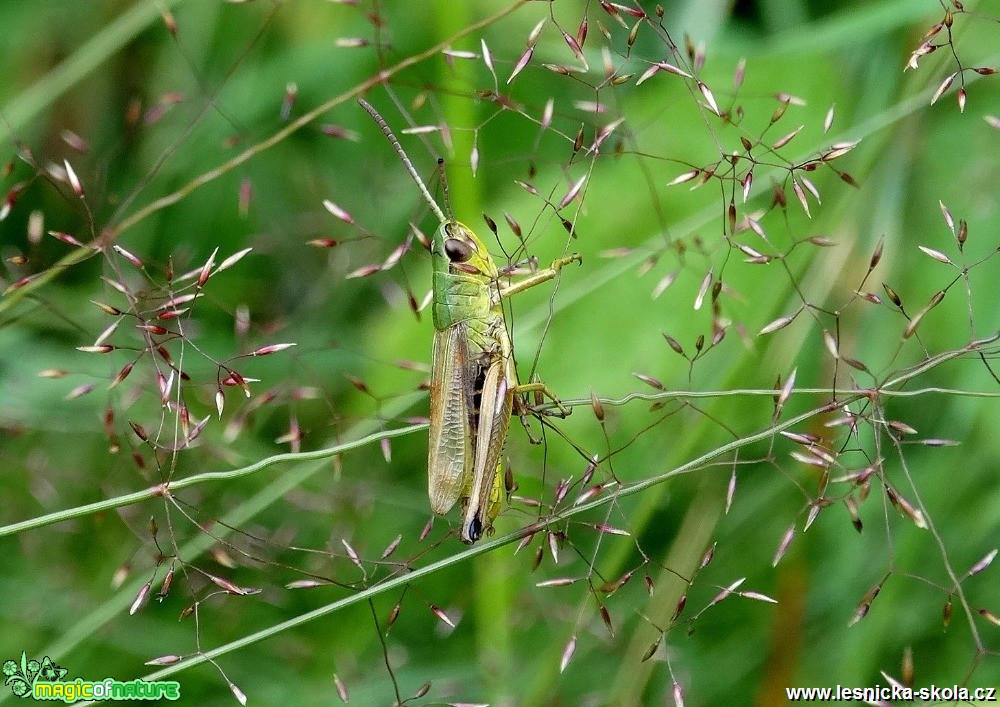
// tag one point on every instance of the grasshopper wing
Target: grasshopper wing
(450, 452)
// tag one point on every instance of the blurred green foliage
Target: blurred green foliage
(162, 112)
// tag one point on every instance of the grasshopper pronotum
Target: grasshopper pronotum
(474, 386)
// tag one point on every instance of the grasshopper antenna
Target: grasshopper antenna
(444, 188)
(406, 160)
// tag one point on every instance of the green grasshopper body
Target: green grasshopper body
(472, 380)
(474, 386)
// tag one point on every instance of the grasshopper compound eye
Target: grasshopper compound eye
(457, 251)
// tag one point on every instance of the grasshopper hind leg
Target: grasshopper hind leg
(482, 523)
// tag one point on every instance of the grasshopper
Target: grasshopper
(474, 389)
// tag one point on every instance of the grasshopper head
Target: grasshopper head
(462, 249)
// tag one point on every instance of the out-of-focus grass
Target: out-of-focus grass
(232, 63)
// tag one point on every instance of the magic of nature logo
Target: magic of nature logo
(44, 681)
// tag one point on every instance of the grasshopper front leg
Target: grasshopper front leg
(539, 277)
